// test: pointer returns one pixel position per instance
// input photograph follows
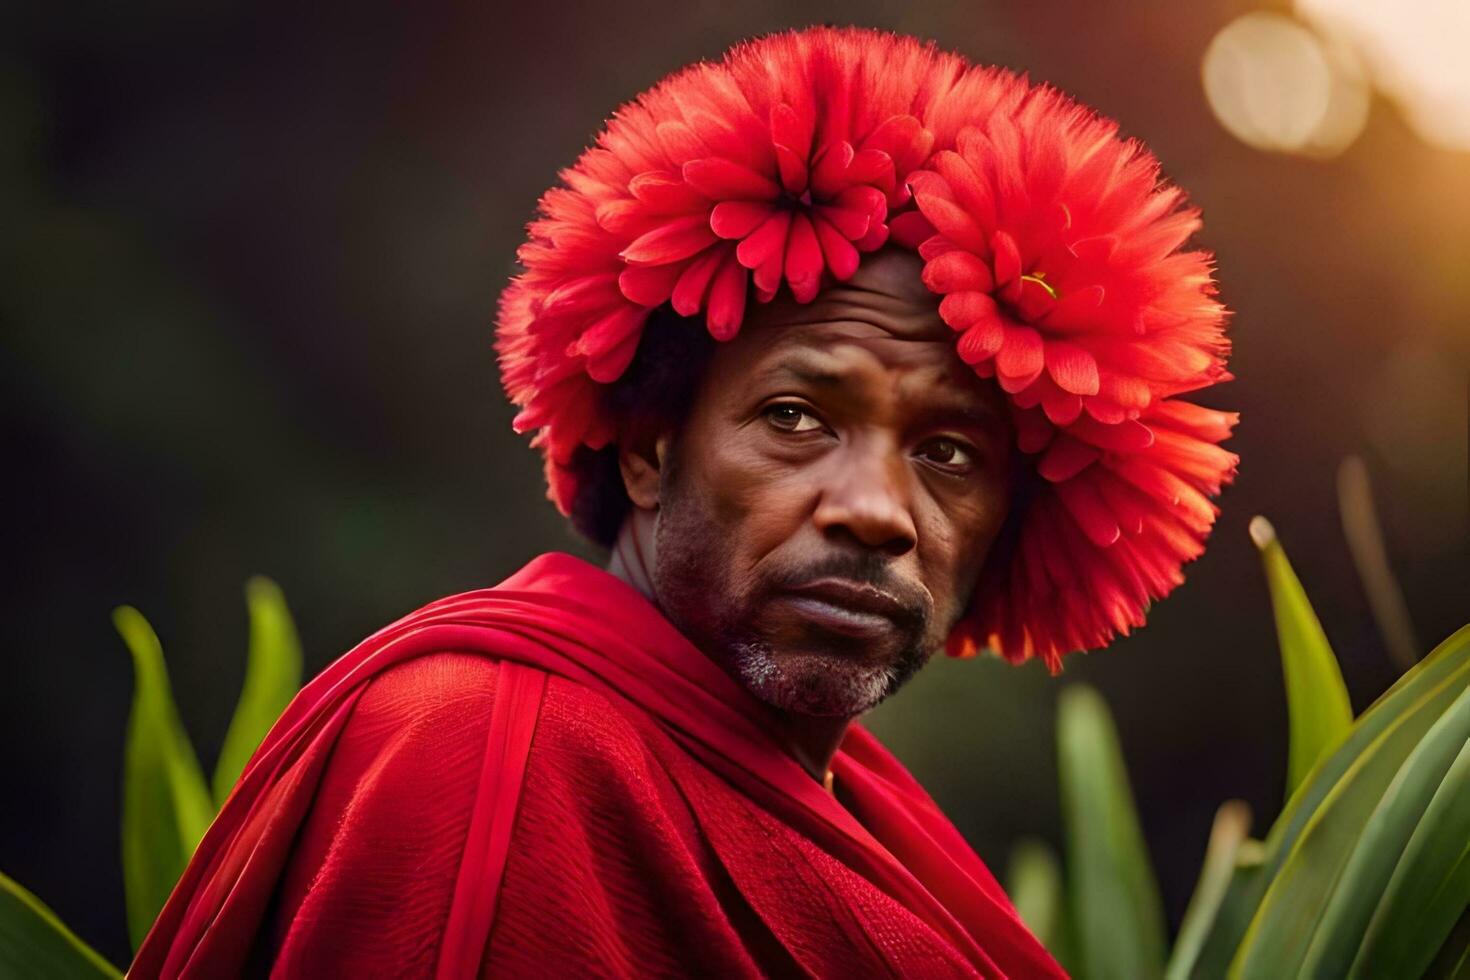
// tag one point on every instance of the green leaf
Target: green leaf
(1275, 945)
(1452, 962)
(166, 805)
(272, 677)
(1250, 881)
(1356, 891)
(34, 943)
(1316, 698)
(1034, 883)
(1430, 887)
(1222, 856)
(1115, 909)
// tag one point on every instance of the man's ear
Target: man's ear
(642, 466)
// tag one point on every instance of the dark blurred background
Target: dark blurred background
(249, 256)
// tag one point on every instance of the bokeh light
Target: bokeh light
(1416, 53)
(1276, 86)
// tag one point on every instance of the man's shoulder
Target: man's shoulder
(446, 690)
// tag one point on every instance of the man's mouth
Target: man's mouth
(844, 606)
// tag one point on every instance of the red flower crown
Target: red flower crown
(1056, 246)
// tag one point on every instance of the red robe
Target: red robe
(547, 779)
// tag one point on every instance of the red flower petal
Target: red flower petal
(767, 240)
(935, 246)
(1034, 300)
(877, 234)
(723, 180)
(791, 135)
(649, 285)
(1023, 355)
(608, 367)
(606, 335)
(1071, 367)
(727, 300)
(736, 219)
(853, 223)
(1066, 458)
(1075, 310)
(803, 259)
(980, 341)
(966, 308)
(1007, 258)
(842, 258)
(580, 295)
(767, 276)
(829, 169)
(688, 295)
(954, 271)
(1061, 407)
(910, 229)
(950, 220)
(664, 193)
(679, 142)
(1089, 511)
(871, 167)
(623, 217)
(966, 188)
(1127, 436)
(1105, 410)
(794, 173)
(679, 239)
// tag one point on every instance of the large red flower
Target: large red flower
(1055, 247)
(1057, 250)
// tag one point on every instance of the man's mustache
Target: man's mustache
(866, 569)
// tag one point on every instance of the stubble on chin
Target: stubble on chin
(819, 684)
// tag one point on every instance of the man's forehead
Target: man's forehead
(885, 292)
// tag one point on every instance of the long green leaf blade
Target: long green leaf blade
(1276, 942)
(166, 804)
(1115, 906)
(272, 677)
(1430, 887)
(35, 943)
(1316, 697)
(1249, 883)
(1222, 856)
(1034, 884)
(1356, 892)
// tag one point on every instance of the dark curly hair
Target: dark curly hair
(658, 389)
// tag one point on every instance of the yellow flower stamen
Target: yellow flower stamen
(1040, 279)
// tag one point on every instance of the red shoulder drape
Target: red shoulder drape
(545, 778)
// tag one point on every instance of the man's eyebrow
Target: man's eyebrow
(803, 370)
(961, 414)
(981, 415)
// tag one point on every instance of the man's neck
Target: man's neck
(812, 741)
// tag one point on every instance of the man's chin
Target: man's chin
(827, 683)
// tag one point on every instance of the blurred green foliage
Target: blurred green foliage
(167, 806)
(1364, 874)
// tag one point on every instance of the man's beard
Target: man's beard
(820, 684)
(824, 675)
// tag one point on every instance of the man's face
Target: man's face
(826, 509)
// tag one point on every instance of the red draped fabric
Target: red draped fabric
(546, 779)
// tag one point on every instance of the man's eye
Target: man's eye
(947, 453)
(791, 418)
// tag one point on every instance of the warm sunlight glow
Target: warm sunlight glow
(1416, 53)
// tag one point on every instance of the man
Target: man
(948, 420)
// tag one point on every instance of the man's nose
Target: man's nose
(867, 495)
